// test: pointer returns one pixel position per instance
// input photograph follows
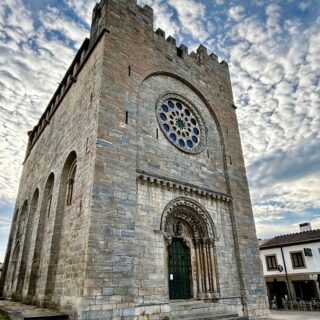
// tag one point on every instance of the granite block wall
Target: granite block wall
(106, 255)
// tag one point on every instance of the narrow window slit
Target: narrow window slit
(129, 71)
(70, 183)
(157, 133)
(87, 144)
(230, 160)
(127, 117)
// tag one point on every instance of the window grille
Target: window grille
(271, 262)
(297, 259)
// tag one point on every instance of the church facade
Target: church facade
(134, 194)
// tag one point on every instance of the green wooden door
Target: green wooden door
(179, 270)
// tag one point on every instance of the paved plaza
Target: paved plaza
(294, 315)
(17, 310)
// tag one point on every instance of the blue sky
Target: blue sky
(273, 50)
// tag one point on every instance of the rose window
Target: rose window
(181, 123)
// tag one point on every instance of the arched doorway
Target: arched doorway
(179, 268)
(189, 233)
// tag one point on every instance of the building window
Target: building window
(272, 262)
(70, 183)
(297, 259)
(49, 201)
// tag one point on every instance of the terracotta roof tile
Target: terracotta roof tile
(293, 238)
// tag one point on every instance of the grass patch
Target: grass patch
(3, 317)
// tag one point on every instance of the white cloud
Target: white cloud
(163, 17)
(275, 67)
(54, 20)
(83, 9)
(273, 13)
(28, 60)
(237, 13)
(304, 5)
(275, 72)
(192, 16)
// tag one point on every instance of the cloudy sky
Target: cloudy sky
(273, 50)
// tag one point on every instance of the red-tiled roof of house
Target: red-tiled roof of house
(293, 238)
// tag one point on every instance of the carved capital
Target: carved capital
(167, 237)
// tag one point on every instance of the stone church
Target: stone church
(133, 201)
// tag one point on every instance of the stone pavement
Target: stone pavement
(17, 311)
(294, 315)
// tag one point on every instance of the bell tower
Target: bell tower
(134, 193)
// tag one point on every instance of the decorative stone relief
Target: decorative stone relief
(185, 218)
(188, 189)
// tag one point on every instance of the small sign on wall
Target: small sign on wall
(171, 276)
(307, 252)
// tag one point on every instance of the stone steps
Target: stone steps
(53, 317)
(207, 316)
(199, 310)
(15, 310)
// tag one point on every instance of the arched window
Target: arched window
(70, 182)
(49, 200)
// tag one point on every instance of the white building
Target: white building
(291, 264)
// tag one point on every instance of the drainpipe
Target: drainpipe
(285, 270)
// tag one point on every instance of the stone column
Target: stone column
(207, 242)
(206, 272)
(198, 264)
(213, 267)
(206, 269)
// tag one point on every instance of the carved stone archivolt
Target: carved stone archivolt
(185, 218)
(192, 214)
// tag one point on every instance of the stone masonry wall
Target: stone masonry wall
(72, 128)
(133, 53)
(110, 257)
(151, 269)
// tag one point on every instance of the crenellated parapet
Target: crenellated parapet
(201, 57)
(107, 14)
(67, 81)
(110, 16)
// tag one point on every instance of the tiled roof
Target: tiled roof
(293, 238)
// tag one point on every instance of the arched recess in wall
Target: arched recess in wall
(18, 238)
(4, 273)
(187, 220)
(208, 106)
(65, 201)
(26, 244)
(14, 262)
(22, 220)
(193, 88)
(45, 211)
